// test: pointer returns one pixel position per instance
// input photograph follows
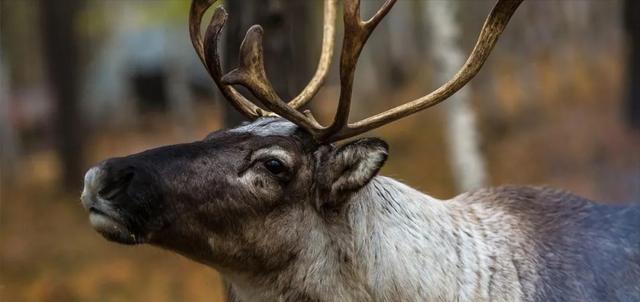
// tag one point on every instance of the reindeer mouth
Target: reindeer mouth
(103, 217)
(112, 228)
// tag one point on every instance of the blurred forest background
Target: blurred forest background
(557, 103)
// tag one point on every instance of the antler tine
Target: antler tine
(356, 33)
(208, 53)
(251, 74)
(195, 18)
(326, 55)
(494, 25)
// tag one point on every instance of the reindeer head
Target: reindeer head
(252, 196)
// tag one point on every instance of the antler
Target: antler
(493, 26)
(356, 33)
(326, 55)
(208, 54)
(251, 73)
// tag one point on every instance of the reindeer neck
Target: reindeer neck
(404, 242)
(396, 242)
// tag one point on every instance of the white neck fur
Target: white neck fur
(398, 245)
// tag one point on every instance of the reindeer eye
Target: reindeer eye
(274, 166)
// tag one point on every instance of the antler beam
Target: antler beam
(326, 55)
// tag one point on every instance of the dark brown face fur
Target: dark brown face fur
(240, 199)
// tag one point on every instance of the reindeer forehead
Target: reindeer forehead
(269, 126)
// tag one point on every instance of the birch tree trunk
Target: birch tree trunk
(467, 164)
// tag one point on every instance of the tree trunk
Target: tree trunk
(287, 34)
(467, 163)
(60, 41)
(8, 136)
(632, 25)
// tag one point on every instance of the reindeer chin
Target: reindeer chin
(112, 230)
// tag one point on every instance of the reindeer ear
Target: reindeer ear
(350, 167)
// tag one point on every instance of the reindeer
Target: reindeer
(284, 214)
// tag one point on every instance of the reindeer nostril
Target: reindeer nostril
(116, 185)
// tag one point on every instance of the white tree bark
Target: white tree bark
(467, 163)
